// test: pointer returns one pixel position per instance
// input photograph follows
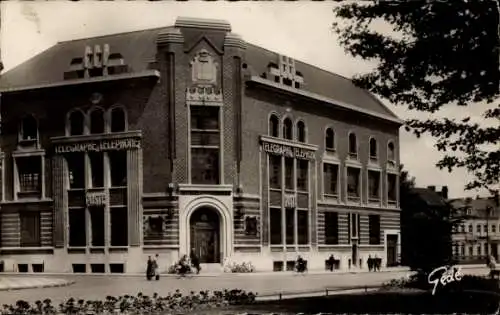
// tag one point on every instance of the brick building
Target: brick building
(186, 137)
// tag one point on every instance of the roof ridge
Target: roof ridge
(115, 34)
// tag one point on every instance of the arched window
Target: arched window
(287, 129)
(330, 139)
(353, 146)
(76, 122)
(390, 151)
(97, 121)
(373, 148)
(274, 126)
(29, 128)
(301, 131)
(118, 120)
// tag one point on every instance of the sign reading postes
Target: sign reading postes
(99, 145)
(95, 198)
(288, 151)
(290, 201)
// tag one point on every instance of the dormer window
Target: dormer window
(287, 129)
(76, 123)
(97, 121)
(330, 139)
(274, 126)
(301, 131)
(118, 120)
(28, 129)
(373, 149)
(390, 152)
(353, 146)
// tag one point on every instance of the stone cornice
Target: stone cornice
(107, 78)
(220, 25)
(321, 98)
(171, 35)
(234, 40)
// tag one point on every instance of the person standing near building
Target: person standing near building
(156, 267)
(370, 263)
(149, 269)
(195, 261)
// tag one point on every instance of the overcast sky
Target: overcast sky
(301, 30)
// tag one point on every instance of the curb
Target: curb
(39, 286)
(202, 275)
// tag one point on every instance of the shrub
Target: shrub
(234, 267)
(140, 304)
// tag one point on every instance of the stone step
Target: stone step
(211, 268)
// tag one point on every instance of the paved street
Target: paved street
(98, 287)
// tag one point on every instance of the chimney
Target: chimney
(433, 188)
(444, 192)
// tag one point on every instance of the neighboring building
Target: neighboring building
(416, 202)
(186, 137)
(480, 228)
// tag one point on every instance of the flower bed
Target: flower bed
(234, 267)
(176, 303)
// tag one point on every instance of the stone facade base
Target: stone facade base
(133, 260)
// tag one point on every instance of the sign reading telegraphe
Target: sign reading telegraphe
(95, 198)
(99, 145)
(288, 151)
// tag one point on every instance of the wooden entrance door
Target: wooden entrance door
(392, 242)
(494, 251)
(205, 238)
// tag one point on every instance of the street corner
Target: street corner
(19, 283)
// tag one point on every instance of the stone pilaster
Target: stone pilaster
(60, 200)
(134, 191)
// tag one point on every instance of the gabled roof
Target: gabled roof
(430, 197)
(138, 49)
(477, 206)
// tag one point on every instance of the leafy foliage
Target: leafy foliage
(235, 267)
(141, 304)
(426, 232)
(439, 53)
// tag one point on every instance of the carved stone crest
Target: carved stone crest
(204, 68)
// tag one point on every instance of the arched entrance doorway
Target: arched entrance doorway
(205, 235)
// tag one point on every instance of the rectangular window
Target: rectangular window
(470, 228)
(97, 226)
(276, 232)
(493, 228)
(391, 187)
(374, 185)
(118, 168)
(119, 226)
(205, 145)
(302, 175)
(479, 250)
(30, 229)
(303, 226)
(485, 228)
(97, 169)
(374, 227)
(30, 175)
(353, 225)
(485, 249)
(478, 228)
(275, 171)
(331, 228)
(471, 252)
(353, 185)
(76, 170)
(289, 173)
(205, 166)
(290, 226)
(77, 228)
(330, 179)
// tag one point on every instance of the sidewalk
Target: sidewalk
(19, 283)
(214, 274)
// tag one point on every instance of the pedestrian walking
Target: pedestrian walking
(195, 261)
(331, 262)
(156, 267)
(149, 269)
(377, 263)
(370, 263)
